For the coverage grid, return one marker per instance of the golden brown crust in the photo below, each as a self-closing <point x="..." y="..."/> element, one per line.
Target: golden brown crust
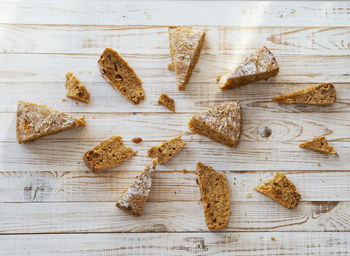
<point x="322" y="95"/>
<point x="107" y="154"/>
<point x="280" y="189"/>
<point x="166" y="150"/>
<point x="76" y="89"/>
<point x="121" y="76"/>
<point x="35" y="121"/>
<point x="215" y="193"/>
<point x="166" y="101"/>
<point x="318" y="144"/>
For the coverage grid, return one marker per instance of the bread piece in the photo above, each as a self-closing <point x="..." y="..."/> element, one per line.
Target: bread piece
<point x="322" y="95"/>
<point x="121" y="76"/>
<point x="215" y="193"/>
<point x="280" y="189"/>
<point x="185" y="48"/>
<point x="221" y="123"/>
<point x="35" y="121"/>
<point x="318" y="144"/>
<point x="166" y="101"/>
<point x="259" y="65"/>
<point x="134" y="199"/>
<point x="107" y="154"/>
<point x="167" y="150"/>
<point x="76" y="89"/>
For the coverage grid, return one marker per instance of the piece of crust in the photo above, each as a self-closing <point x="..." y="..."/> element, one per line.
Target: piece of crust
<point x="121" y="76"/>
<point x="280" y="189"/>
<point x="318" y="144"/>
<point x="134" y="199"/>
<point x="215" y="194"/>
<point x="167" y="102"/>
<point x="166" y="150"/>
<point x="108" y="154"/>
<point x="35" y="121"/>
<point x="76" y="89"/>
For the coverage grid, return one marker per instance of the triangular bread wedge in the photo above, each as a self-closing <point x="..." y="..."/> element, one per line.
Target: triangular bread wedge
<point x="221" y="123"/>
<point x="108" y="154"/>
<point x="121" y="76"/>
<point x="166" y="150"/>
<point x="185" y="47"/>
<point x="35" y="121"/>
<point x="215" y="194"/>
<point x="318" y="144"/>
<point x="259" y="65"/>
<point x="280" y="189"/>
<point x="76" y="89"/>
<point x="322" y="95"/>
<point x="134" y="199"/>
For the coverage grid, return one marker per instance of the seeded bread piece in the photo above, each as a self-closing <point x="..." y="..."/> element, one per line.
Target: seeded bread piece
<point x="107" y="154"/>
<point x="166" y="101"/>
<point x="134" y="199"/>
<point x="167" y="150"/>
<point x="76" y="89"/>
<point x="280" y="189"/>
<point x="259" y="65"/>
<point x="121" y="76"/>
<point x="318" y="144"/>
<point x="322" y="95"/>
<point x="185" y="47"/>
<point x="35" y="121"/>
<point x="215" y="193"/>
<point x="221" y="123"/>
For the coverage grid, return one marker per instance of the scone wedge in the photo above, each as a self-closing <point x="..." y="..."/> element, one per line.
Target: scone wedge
<point x="167" y="150"/>
<point x="318" y="144"/>
<point x="76" y="89"/>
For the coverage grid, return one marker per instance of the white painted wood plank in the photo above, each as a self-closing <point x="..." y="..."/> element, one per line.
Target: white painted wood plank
<point x="243" y="13"/>
<point x="88" y="186"/>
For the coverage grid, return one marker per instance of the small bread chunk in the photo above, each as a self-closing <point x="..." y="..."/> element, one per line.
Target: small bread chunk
<point x="185" y="48"/>
<point x="134" y="199"/>
<point x="121" y="76"/>
<point x="221" y="123"/>
<point x="76" y="89"/>
<point x="166" y="101"/>
<point x="107" y="154"/>
<point x="167" y="150"/>
<point x="322" y="95"/>
<point x="259" y="65"/>
<point x="35" y="121"/>
<point x="280" y="189"/>
<point x="215" y="193"/>
<point x="318" y="144"/>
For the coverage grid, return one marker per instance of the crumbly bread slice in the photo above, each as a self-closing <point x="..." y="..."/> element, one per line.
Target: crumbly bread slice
<point x="318" y="144"/>
<point x="166" y="150"/>
<point x="259" y="65"/>
<point x="35" y="121"/>
<point x="185" y="48"/>
<point x="107" y="154"/>
<point x="134" y="199"/>
<point x="215" y="193"/>
<point x="221" y="123"/>
<point x="76" y="89"/>
<point x="121" y="76"/>
<point x="166" y="101"/>
<point x="280" y="189"/>
<point x="322" y="95"/>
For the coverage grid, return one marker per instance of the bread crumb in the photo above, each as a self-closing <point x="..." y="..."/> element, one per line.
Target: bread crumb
<point x="76" y="103"/>
<point x="273" y="238"/>
<point x="170" y="66"/>
<point x="64" y="100"/>
<point x="318" y="164"/>
<point x="218" y="78"/>
<point x="265" y="106"/>
<point x="266" y="158"/>
<point x="137" y="140"/>
<point x="249" y="195"/>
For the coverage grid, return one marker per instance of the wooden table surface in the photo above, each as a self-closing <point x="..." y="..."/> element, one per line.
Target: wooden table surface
<point x="51" y="204"/>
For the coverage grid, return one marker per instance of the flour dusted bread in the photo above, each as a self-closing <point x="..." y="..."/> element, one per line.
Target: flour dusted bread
<point x="134" y="199"/>
<point x="322" y="95"/>
<point x="280" y="189"/>
<point x="76" y="89"/>
<point x="108" y="154"/>
<point x="166" y="101"/>
<point x="185" y="47"/>
<point x="35" y="121"/>
<point x="259" y="65"/>
<point x="318" y="144"/>
<point x="215" y="193"/>
<point x="221" y="123"/>
<point x="166" y="150"/>
<point x="121" y="76"/>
